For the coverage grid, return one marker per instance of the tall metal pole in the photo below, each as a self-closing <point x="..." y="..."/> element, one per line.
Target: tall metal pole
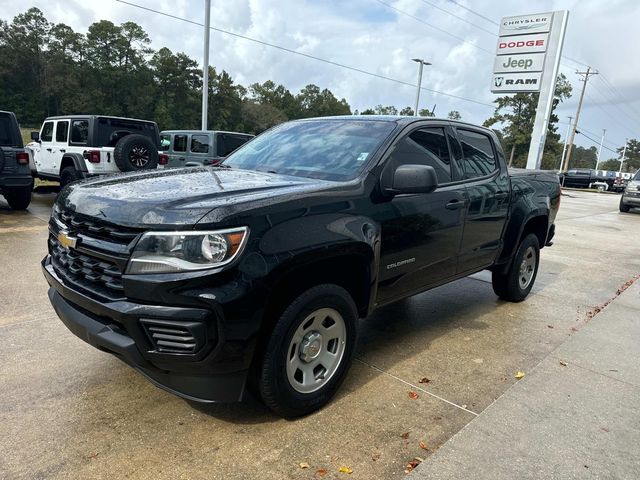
<point x="421" y="63"/>
<point x="566" y="139"/>
<point x="624" y="152"/>
<point x="575" y="124"/>
<point x="205" y="64"/>
<point x="604" y="130"/>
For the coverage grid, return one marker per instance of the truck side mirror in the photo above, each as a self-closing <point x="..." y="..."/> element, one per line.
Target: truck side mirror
<point x="413" y="179"/>
<point x="35" y="136"/>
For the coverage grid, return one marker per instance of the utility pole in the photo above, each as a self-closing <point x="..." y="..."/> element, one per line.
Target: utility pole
<point x="564" y="149"/>
<point x="205" y="64"/>
<point x="624" y="152"/>
<point x="604" y="130"/>
<point x="422" y="63"/>
<point x="575" y="124"/>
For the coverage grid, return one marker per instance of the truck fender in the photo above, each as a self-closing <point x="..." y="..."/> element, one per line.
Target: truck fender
<point x="513" y="237"/>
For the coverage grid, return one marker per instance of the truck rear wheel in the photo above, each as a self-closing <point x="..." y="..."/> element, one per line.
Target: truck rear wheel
<point x="309" y="351"/>
<point x="516" y="283"/>
<point x="18" y="198"/>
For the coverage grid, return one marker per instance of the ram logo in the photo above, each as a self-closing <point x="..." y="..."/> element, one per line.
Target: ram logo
<point x="498" y="81"/>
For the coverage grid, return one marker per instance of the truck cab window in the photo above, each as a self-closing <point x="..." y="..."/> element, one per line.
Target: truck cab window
<point x="425" y="146"/>
<point x="477" y="154"/>
<point x="180" y="143"/>
<point x="79" y="131"/>
<point x="199" y="144"/>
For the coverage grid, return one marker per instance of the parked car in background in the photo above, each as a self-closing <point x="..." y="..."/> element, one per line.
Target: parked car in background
<point x="579" y="178"/>
<point x="193" y="148"/>
<point x="70" y="148"/>
<point x="254" y="274"/>
<point x="631" y="194"/>
<point x="16" y="181"/>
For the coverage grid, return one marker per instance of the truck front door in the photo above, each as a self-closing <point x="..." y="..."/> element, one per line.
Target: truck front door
<point x="421" y="233"/>
<point x="43" y="154"/>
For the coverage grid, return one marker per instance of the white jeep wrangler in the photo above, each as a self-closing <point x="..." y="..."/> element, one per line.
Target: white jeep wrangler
<point x="73" y="147"/>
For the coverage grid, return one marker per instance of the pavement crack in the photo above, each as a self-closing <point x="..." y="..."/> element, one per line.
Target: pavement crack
<point x="415" y="387"/>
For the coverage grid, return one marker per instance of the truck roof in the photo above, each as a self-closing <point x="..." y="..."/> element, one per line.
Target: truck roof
<point x="399" y="119"/>
<point x="207" y="131"/>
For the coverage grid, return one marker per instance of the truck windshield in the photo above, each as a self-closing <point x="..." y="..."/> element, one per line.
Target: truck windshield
<point x="334" y="150"/>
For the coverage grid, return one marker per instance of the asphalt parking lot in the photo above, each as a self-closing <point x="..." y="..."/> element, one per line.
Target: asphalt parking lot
<point x="70" y="411"/>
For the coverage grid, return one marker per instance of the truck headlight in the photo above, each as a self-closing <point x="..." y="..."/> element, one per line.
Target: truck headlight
<point x="171" y="252"/>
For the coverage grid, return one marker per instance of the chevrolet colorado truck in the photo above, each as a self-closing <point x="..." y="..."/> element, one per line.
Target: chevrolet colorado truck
<point x="253" y="274"/>
<point x="16" y="182"/>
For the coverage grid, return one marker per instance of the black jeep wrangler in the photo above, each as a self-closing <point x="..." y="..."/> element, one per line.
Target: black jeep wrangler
<point x="16" y="182"/>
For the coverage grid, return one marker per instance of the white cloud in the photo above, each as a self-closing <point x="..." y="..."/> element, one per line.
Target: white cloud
<point x="372" y="37"/>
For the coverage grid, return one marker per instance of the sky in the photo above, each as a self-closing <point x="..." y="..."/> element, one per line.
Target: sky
<point x="381" y="37"/>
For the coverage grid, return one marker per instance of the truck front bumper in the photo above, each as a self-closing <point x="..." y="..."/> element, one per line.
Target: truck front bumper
<point x="119" y="328"/>
<point x="631" y="198"/>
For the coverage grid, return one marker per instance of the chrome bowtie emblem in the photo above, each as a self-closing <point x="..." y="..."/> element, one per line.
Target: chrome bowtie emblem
<point x="66" y="240"/>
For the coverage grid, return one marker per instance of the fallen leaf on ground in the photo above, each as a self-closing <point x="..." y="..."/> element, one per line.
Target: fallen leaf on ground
<point x="423" y="446"/>
<point x="564" y="364"/>
<point x="413" y="395"/>
<point x="344" y="469"/>
<point x="93" y="455"/>
<point x="376" y="456"/>
<point x="412" y="464"/>
<point x="424" y="380"/>
<point x="304" y="465"/>
<point x="519" y="375"/>
<point x="604" y="429"/>
<point x="549" y="326"/>
<point x="405" y="435"/>
<point x="321" y="472"/>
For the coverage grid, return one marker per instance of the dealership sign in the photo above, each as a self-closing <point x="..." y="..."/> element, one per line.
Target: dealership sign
<point x="528" y="62"/>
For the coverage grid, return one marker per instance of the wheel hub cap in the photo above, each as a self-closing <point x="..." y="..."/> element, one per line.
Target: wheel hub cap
<point x="310" y="346"/>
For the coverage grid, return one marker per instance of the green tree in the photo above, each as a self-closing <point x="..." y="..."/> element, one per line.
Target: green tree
<point x="454" y="115"/>
<point x="631" y="157"/>
<point x="611" y="164"/>
<point x="407" y="111"/>
<point x="320" y="103"/>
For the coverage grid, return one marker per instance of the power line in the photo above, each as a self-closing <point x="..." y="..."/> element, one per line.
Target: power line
<point x="434" y="27"/>
<point x="475" y="13"/>
<point x="306" y="55"/>
<point x="597" y="142"/>
<point x="462" y="19"/>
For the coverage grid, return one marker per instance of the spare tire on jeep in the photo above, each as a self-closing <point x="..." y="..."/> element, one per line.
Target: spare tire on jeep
<point x="135" y="152"/>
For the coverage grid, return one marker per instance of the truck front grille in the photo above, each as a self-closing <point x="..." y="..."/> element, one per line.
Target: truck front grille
<point x="96" y="264"/>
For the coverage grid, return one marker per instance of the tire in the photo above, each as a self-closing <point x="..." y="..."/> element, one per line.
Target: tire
<point x="282" y="384"/>
<point x="68" y="175"/>
<point x="515" y="284"/>
<point x="624" y="208"/>
<point x="18" y="198"/>
<point x="135" y="152"/>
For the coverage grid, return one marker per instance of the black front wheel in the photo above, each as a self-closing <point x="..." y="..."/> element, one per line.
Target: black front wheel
<point x="309" y="351"/>
<point x="68" y="175"/>
<point x="515" y="284"/>
<point x="624" y="208"/>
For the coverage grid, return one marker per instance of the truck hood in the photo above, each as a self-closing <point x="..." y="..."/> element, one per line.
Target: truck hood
<point x="178" y="197"/>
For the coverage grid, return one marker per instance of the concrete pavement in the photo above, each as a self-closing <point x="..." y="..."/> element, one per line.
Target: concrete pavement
<point x="69" y="411"/>
<point x="576" y="415"/>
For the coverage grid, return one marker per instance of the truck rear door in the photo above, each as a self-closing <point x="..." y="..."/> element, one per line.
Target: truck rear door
<point x="489" y="191"/>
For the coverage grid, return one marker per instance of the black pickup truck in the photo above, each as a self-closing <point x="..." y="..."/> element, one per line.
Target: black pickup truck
<point x="16" y="182"/>
<point x="254" y="273"/>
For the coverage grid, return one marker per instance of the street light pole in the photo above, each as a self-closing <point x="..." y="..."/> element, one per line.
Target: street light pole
<point x="624" y="152"/>
<point x="205" y="64"/>
<point x="421" y="63"/>
<point x="564" y="149"/>
<point x="604" y="130"/>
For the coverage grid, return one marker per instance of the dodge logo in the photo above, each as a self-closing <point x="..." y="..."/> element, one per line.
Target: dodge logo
<point x="66" y="240"/>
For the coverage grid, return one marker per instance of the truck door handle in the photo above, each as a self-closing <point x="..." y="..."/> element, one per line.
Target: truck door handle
<point x="48" y="149"/>
<point x="62" y="150"/>
<point x="456" y="204"/>
<point x="501" y="195"/>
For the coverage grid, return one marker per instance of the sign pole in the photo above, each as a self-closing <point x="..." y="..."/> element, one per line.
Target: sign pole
<point x="547" y="89"/>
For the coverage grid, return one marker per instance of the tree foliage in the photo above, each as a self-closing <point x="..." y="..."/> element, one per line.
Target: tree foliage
<point x="631" y="156"/>
<point x="48" y="69"/>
